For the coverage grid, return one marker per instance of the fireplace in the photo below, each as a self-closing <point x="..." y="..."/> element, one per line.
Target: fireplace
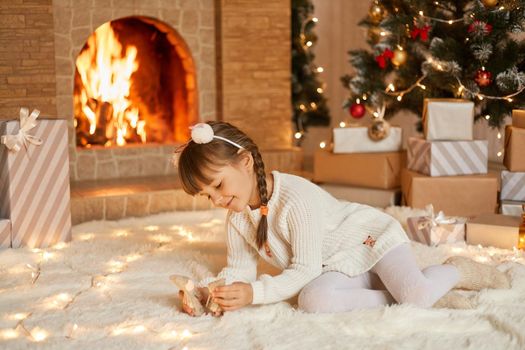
<point x="134" y="84"/>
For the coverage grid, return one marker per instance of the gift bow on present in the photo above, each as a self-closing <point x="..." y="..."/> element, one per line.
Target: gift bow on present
<point x="434" y="220"/>
<point x="27" y="122"/>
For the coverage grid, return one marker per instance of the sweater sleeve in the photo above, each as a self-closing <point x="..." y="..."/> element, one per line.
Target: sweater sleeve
<point x="241" y="260"/>
<point x="306" y="263"/>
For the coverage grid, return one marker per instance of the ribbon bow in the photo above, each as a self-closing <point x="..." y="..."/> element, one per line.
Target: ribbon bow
<point x="421" y="32"/>
<point x="382" y="58"/>
<point x="27" y="122"/>
<point x="434" y="220"/>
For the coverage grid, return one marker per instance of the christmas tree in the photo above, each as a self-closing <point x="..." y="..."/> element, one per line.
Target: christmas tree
<point x="308" y="102"/>
<point x="440" y="49"/>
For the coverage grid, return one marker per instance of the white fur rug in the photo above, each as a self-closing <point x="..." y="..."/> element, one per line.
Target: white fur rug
<point x="109" y="289"/>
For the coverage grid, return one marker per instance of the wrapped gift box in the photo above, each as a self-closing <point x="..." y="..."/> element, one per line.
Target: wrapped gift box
<point x="501" y="231"/>
<point x="518" y="118"/>
<point x="35" y="195"/>
<point x="466" y="196"/>
<point x="5" y="233"/>
<point x="514" y="158"/>
<point x="448" y="119"/>
<point x="375" y="170"/>
<point x="513" y="208"/>
<point x="512" y="185"/>
<point x="370" y="196"/>
<point x="446" y="158"/>
<point x="356" y="140"/>
<point x="437" y="229"/>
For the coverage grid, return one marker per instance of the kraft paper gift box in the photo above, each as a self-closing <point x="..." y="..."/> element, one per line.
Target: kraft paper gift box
<point x="356" y="140"/>
<point x="34" y="191"/>
<point x="512" y="186"/>
<point x="466" y="196"/>
<point x="375" y="170"/>
<point x="5" y="233"/>
<point x="514" y="157"/>
<point x="501" y="231"/>
<point x="371" y="196"/>
<point x="437" y="229"/>
<point x="518" y="118"/>
<point x="448" y="119"/>
<point x="512" y="208"/>
<point x="446" y="158"/>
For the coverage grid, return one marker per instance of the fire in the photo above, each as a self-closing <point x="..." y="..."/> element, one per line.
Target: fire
<point x="105" y="71"/>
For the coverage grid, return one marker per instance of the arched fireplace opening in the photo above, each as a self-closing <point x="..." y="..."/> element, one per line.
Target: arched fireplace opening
<point x="134" y="84"/>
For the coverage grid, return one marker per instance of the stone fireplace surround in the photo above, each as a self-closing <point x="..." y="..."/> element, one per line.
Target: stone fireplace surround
<point x="238" y="80"/>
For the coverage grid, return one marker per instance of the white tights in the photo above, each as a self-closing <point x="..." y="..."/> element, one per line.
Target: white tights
<point x="394" y="278"/>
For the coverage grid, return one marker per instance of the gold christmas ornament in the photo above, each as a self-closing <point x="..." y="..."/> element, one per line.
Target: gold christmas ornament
<point x="374" y="35"/>
<point x="376" y="13"/>
<point x="400" y="57"/>
<point x="379" y="129"/>
<point x="489" y="3"/>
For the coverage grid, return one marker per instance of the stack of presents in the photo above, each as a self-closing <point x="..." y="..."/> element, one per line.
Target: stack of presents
<point x="359" y="169"/>
<point x="445" y="171"/>
<point x="34" y="182"/>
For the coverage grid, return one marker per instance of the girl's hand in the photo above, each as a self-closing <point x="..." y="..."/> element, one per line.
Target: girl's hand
<point x="233" y="296"/>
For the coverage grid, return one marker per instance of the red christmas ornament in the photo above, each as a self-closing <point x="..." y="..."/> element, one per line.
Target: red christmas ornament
<point x="383" y="58"/>
<point x="357" y="110"/>
<point x="483" y="78"/>
<point x="422" y="32"/>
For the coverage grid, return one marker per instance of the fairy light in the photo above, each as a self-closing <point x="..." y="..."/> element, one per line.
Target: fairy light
<point x="315" y="19"/>
<point x="399" y="98"/>
<point x="500" y="154"/>
<point x="39" y="334"/>
<point x="309" y="43"/>
<point x="364" y="97"/>
<point x="481" y="97"/>
<point x="322" y="144"/>
<point x="320" y="69"/>
<point x="319" y="90"/>
<point x="487" y="117"/>
<point x="298" y="135"/>
<point x="8" y="334"/>
<point x="499" y="135"/>
<point x="342" y="124"/>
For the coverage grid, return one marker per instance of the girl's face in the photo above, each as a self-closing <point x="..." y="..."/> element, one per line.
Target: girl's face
<point x="233" y="186"/>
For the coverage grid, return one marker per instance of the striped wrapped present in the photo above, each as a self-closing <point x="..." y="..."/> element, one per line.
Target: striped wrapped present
<point x="437" y="229"/>
<point x="512" y="186"/>
<point x="446" y="158"/>
<point x="512" y="208"/>
<point x="5" y="233"/>
<point x="34" y="186"/>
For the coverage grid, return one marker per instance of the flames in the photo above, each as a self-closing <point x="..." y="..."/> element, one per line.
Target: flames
<point x="108" y="116"/>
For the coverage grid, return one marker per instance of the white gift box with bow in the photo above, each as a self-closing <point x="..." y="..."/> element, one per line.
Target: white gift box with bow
<point x="436" y="229"/>
<point x="34" y="186"/>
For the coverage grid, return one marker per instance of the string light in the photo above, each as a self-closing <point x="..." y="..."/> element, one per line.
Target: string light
<point x="320" y="69"/>
<point x="342" y="124"/>
<point x="322" y="144"/>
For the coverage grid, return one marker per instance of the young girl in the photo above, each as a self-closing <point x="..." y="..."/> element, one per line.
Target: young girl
<point x="338" y="256"/>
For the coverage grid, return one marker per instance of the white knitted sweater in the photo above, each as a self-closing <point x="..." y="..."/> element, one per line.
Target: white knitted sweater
<point x="309" y="232"/>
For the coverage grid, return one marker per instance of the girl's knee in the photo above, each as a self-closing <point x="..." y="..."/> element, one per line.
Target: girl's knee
<point x="312" y="299"/>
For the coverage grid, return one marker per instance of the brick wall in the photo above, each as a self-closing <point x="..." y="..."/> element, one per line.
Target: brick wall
<point x="27" y="57"/>
<point x="255" y="63"/>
